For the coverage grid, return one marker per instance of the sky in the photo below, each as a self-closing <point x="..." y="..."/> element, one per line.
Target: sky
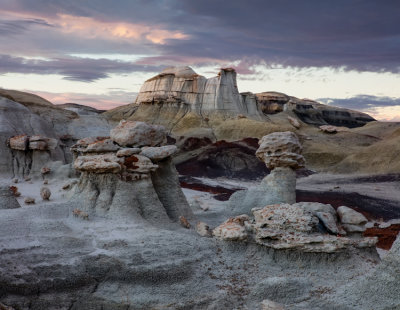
<point x="99" y="52"/>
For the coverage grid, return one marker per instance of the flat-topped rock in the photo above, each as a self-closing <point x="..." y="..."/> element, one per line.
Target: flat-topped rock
<point x="137" y="134"/>
<point x="159" y="153"/>
<point x="232" y="229"/>
<point x="107" y="163"/>
<point x="139" y="164"/>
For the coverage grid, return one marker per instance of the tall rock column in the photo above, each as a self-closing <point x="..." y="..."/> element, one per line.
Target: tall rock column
<point x="281" y="153"/>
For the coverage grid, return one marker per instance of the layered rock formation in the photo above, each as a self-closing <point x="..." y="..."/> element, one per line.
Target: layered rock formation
<point x="129" y="175"/>
<point x="311" y="112"/>
<point x="181" y="85"/>
<point x="281" y="153"/>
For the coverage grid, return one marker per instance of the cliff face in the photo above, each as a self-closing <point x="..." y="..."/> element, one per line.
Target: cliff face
<point x="183" y="85"/>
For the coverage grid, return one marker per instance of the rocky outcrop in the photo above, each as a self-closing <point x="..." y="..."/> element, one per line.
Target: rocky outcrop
<point x="300" y="226"/>
<point x="183" y="86"/>
<point x="281" y="152"/>
<point x="118" y="182"/>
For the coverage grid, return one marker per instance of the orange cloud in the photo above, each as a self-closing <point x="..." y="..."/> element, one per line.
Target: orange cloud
<point x="92" y="28"/>
<point x="88" y="27"/>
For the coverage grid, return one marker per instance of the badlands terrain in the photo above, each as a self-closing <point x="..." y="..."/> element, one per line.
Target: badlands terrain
<point x="196" y="196"/>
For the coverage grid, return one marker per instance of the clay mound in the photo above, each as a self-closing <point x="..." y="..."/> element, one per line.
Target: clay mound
<point x="24" y="98"/>
<point x="381" y="157"/>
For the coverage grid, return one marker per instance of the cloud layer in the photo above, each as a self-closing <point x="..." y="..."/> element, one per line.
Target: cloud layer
<point x="357" y="35"/>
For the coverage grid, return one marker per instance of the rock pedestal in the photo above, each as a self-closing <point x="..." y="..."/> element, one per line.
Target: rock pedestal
<point x="281" y="152"/>
<point x="118" y="182"/>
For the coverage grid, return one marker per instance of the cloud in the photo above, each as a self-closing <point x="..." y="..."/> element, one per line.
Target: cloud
<point x="72" y="68"/>
<point x="106" y="101"/>
<point x="349" y="34"/>
<point x="362" y="102"/>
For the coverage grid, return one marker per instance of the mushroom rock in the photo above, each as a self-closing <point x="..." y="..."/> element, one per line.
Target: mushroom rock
<point x="7" y="198"/>
<point x="101" y="146"/>
<point x="130" y="186"/>
<point x="281" y="152"/>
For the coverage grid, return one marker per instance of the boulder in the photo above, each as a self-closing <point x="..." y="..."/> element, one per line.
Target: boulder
<point x="137" y="134"/>
<point x="232" y="229"/>
<point x="281" y="149"/>
<point x="7" y="198"/>
<point x="159" y="153"/>
<point x="45" y="193"/>
<point x="352" y="228"/>
<point x="350" y="216"/>
<point x="285" y="217"/>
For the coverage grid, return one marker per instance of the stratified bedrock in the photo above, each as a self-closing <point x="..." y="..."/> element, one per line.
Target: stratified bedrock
<point x="129" y="176"/>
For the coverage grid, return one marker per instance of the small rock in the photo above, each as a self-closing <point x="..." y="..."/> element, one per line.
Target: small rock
<point x="27" y="179"/>
<point x="45" y="182"/>
<point x="294" y="122"/>
<point x="45" y="193"/>
<point x="350" y="216"/>
<point x="203" y="229"/>
<point x="81" y="214"/>
<point x="271" y="305"/>
<point x="66" y="186"/>
<point x="15" y="180"/>
<point x="45" y="170"/>
<point x="184" y="222"/>
<point x="232" y="229"/>
<point x="329" y="221"/>
<point x="29" y="200"/>
<point x="15" y="191"/>
<point x="328" y="129"/>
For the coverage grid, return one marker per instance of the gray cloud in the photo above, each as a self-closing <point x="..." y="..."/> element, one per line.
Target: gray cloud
<point x="351" y="34"/>
<point x="72" y="68"/>
<point x="362" y="102"/>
